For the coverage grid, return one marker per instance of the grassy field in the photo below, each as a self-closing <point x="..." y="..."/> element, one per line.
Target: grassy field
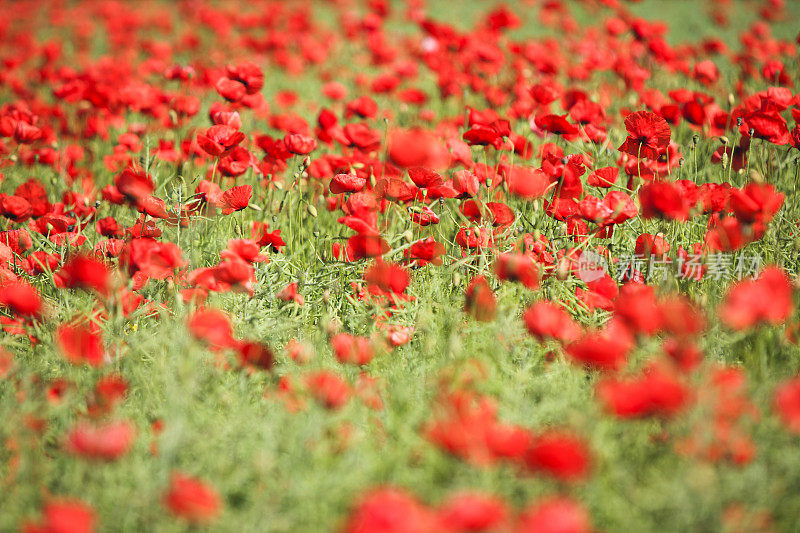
<point x="695" y="427"/>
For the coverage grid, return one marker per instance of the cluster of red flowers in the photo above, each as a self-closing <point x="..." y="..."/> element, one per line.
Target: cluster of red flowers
<point x="393" y="510"/>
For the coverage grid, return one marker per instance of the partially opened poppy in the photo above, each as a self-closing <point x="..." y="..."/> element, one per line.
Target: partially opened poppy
<point x="343" y="183"/>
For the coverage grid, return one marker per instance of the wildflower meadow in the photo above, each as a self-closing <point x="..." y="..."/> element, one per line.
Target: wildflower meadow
<point x="399" y="266"/>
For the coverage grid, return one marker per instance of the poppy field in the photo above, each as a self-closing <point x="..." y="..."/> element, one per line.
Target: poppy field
<point x="372" y="266"/>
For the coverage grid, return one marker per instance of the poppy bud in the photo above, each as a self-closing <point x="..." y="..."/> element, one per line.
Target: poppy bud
<point x="408" y="236"/>
<point x="331" y="327"/>
<point x="563" y="269"/>
<point x="311" y="210"/>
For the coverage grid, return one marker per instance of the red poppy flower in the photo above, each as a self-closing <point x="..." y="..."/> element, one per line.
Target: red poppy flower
<point x="480" y="302"/>
<point x="64" y="516"/>
<point x="344" y="183"/>
<point x="248" y="74"/>
<point x="289" y="294"/>
<point x="603" y="177"/>
<point x="526" y="182"/>
<point x="192" y="499"/>
<point x="236" y="198"/>
<point x="328" y="388"/>
<point x="230" y="90"/>
<point x="352" y="349"/>
<point x="299" y="144"/>
<point x="561" y="455"/>
<point x="212" y="326"/>
<point x="606" y="350"/>
<point x="262" y="237"/>
<point x="255" y="355"/>
<point x="134" y="184"/>
<point x="767" y="299"/>
<point x="81" y="343"/>
<point x="548" y="320"/>
<point x="472" y="511"/>
<point x="656" y="392"/>
<point x="362" y="246"/>
<point x="423" y="177"/>
<point x="755" y="202"/>
<point x="107" y="442"/>
<point x="157" y="260"/>
<point x="555" y="515"/>
<point x="395" y="190"/>
<point x="25" y="133"/>
<point x="219" y="140"/>
<point x="648" y="134"/>
<point x="85" y="272"/>
<point x="517" y="267"/>
<point x="21" y="299"/>
<point x="384" y="277"/>
<point x="389" y="510"/>
<point x="15" y="208"/>
<point x="665" y="200"/>
<point x="465" y="183"/>
<point x="425" y="251"/>
<point x="556" y="124"/>
<point x="362" y="137"/>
